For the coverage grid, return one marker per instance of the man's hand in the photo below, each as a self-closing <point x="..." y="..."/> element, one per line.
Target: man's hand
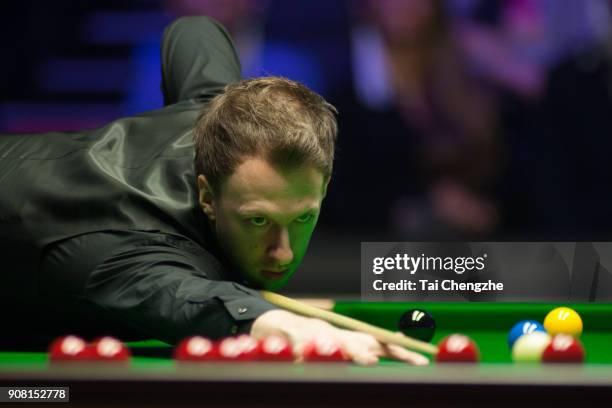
<point x="360" y="347"/>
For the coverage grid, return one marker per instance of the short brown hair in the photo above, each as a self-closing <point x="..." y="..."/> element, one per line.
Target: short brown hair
<point x="270" y="117"/>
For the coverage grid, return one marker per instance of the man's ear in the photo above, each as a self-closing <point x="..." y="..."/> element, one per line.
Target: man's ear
<point x="206" y="197"/>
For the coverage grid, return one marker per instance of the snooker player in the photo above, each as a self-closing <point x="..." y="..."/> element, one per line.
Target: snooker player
<point x="164" y="225"/>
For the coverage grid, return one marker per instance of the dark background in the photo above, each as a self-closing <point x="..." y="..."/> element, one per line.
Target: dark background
<point x="459" y="120"/>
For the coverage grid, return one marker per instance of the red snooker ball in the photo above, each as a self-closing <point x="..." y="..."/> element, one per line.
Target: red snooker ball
<point x="275" y="348"/>
<point x="196" y="348"/>
<point x="564" y="349"/>
<point x="68" y="348"/>
<point x="109" y="349"/>
<point x="241" y="348"/>
<point x="457" y="348"/>
<point x="323" y="349"/>
<point x="249" y="347"/>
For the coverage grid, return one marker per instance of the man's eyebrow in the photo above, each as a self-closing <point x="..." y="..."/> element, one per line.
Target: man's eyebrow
<point x="264" y="210"/>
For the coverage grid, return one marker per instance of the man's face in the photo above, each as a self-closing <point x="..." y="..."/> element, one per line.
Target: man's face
<point x="264" y="217"/>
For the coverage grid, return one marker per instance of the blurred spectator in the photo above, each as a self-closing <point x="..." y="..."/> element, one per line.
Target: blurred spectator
<point x="514" y="42"/>
<point x="555" y="55"/>
<point x="473" y="119"/>
<point x="420" y="149"/>
<point x="509" y="53"/>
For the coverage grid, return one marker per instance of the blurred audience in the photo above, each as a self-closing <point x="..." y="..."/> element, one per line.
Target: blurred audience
<point x="459" y="119"/>
<point x="551" y="58"/>
<point x="419" y="133"/>
<point x="470" y="120"/>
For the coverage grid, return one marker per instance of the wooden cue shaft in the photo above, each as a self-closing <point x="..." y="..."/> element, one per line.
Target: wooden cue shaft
<point x="382" y="335"/>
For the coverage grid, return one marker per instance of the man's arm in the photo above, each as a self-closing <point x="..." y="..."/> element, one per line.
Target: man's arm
<point x="168" y="288"/>
<point x="160" y="286"/>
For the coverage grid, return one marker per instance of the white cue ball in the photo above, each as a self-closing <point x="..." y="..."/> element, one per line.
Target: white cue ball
<point x="529" y="347"/>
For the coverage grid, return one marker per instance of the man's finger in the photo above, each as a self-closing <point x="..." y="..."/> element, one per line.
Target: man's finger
<point x="360" y="354"/>
<point x="408" y="356"/>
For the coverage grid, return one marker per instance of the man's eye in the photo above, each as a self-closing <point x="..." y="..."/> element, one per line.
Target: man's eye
<point x="259" y="221"/>
<point x="304" y="218"/>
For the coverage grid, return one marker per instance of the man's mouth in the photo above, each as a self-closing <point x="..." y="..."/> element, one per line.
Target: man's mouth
<point x="274" y="275"/>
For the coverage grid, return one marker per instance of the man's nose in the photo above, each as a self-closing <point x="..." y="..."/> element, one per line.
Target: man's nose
<point x="280" y="251"/>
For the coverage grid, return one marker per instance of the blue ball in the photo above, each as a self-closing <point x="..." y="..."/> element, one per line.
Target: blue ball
<point x="523" y="327"/>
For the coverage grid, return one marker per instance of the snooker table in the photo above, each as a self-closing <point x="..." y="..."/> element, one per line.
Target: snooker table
<point x="154" y="379"/>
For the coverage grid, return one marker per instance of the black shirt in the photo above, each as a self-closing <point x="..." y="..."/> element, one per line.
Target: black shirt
<point x="102" y="228"/>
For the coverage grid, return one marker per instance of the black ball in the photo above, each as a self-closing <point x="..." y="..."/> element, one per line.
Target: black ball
<point x="418" y="324"/>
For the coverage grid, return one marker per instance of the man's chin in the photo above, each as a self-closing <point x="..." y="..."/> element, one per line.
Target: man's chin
<point x="267" y="284"/>
<point x="275" y="284"/>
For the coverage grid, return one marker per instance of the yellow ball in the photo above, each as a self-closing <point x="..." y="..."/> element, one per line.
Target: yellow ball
<point x="563" y="320"/>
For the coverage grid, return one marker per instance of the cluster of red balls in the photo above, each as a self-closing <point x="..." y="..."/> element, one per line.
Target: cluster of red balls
<point x="74" y="348"/>
<point x="247" y="348"/>
<point x="453" y="348"/>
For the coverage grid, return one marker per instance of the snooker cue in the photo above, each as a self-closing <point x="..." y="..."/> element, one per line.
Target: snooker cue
<point x="382" y="335"/>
